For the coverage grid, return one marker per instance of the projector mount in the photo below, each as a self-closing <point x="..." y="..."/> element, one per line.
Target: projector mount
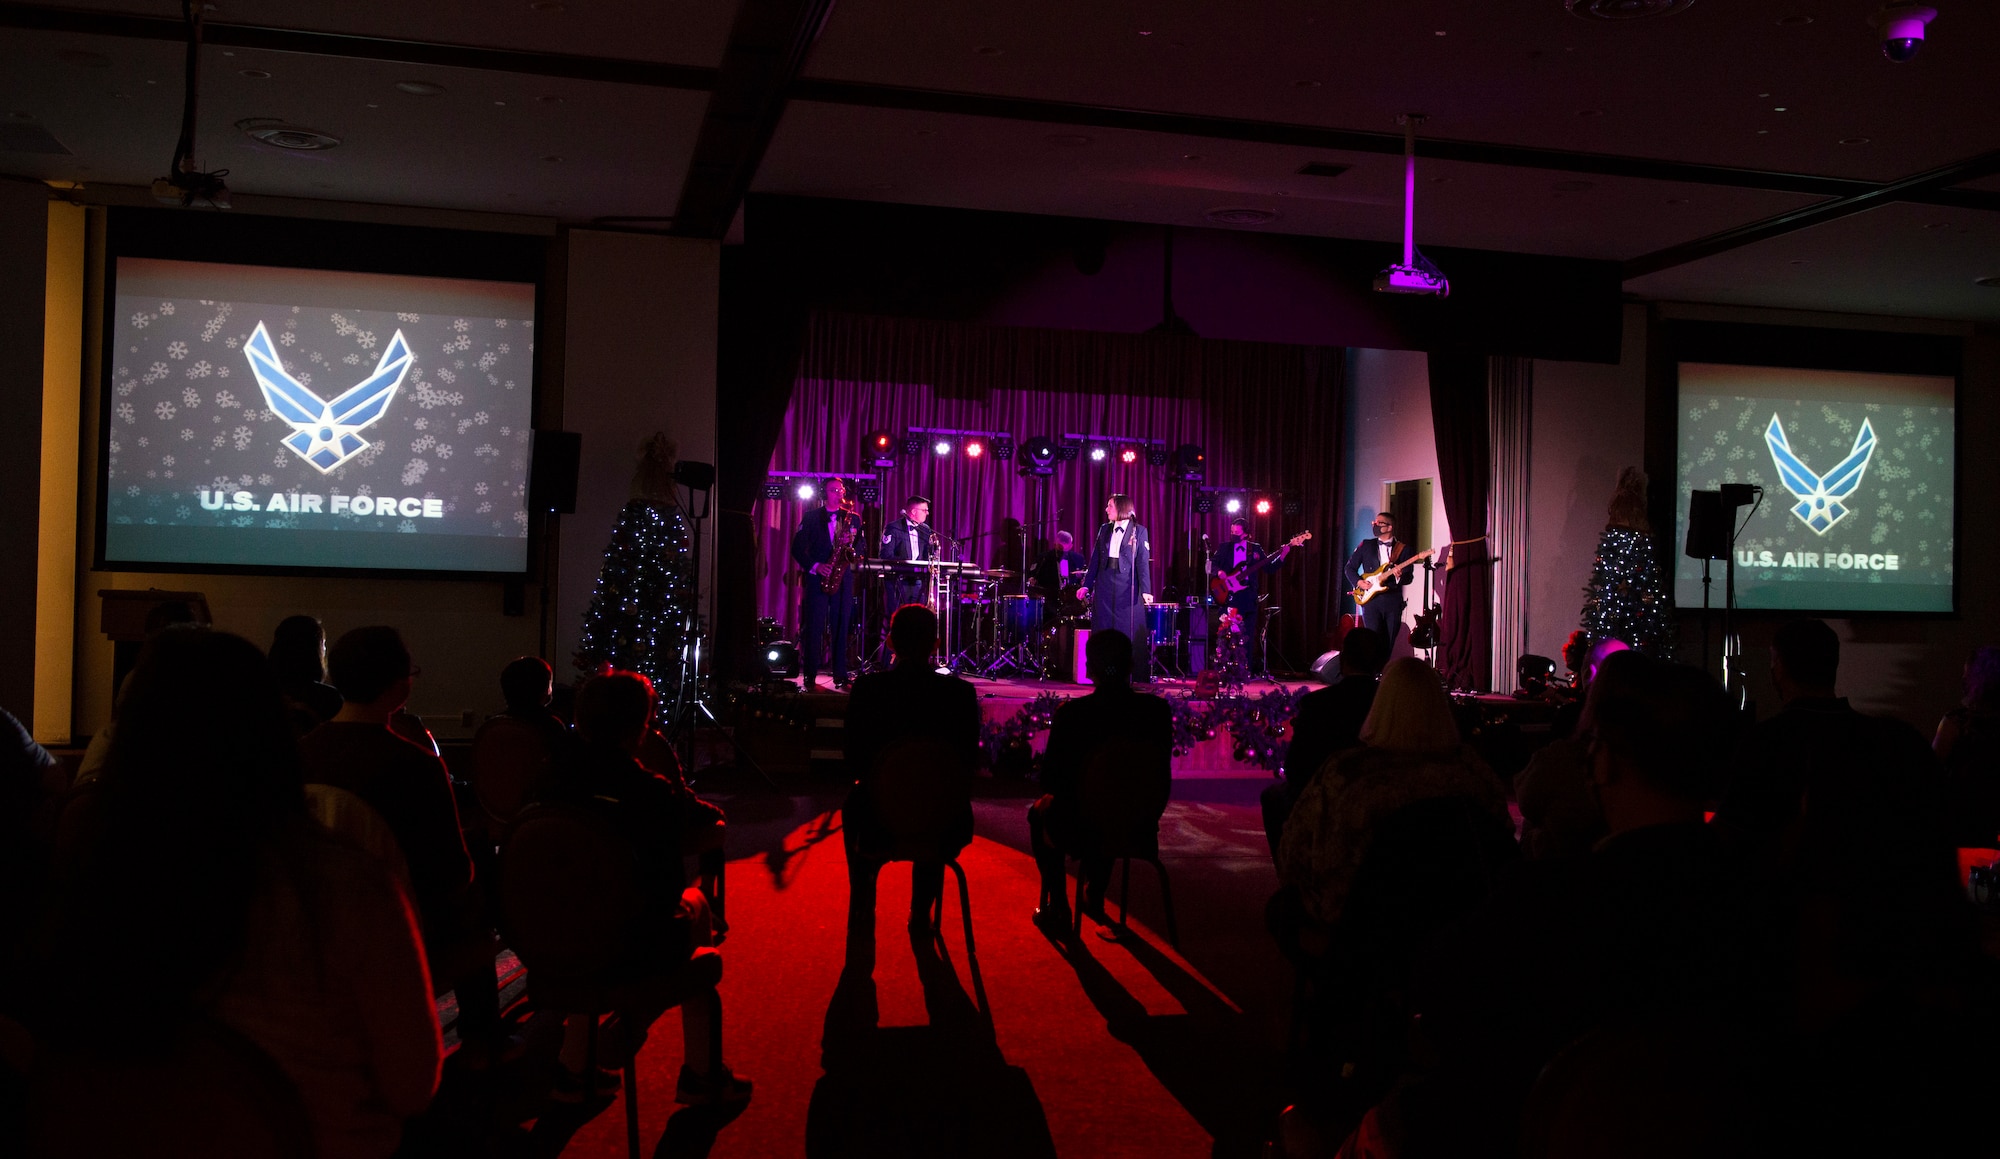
<point x="186" y="184"/>
<point x="1414" y="274"/>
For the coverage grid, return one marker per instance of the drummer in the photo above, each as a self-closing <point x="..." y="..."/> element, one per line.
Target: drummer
<point x="1060" y="567"/>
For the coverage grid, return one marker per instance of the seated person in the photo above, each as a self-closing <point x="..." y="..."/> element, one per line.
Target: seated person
<point x="1328" y="721"/>
<point x="1968" y="742"/>
<point x="1560" y="816"/>
<point x="908" y="702"/>
<point x="409" y="787"/>
<point x="298" y="656"/>
<point x="1113" y="713"/>
<point x="528" y="684"/>
<point x="613" y="712"/>
<point x="199" y="849"/>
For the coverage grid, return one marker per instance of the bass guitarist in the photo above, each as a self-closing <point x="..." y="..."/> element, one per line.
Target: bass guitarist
<point x="1384" y="612"/>
<point x="1238" y="572"/>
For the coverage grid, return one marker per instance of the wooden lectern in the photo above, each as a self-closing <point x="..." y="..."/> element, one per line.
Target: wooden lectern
<point x="129" y="617"/>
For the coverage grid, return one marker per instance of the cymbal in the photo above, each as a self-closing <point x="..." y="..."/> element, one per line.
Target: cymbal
<point x="1001" y="573"/>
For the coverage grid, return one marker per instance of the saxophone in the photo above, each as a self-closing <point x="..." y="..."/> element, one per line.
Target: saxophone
<point x="846" y="524"/>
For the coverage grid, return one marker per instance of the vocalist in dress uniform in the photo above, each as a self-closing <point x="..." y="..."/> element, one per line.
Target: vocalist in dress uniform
<point x="1120" y="577"/>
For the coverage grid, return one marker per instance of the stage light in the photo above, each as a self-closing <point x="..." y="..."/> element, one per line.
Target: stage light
<point x="1292" y="506"/>
<point x="806" y="493"/>
<point x="941" y="448"/>
<point x="880" y="450"/>
<point x="781" y="658"/>
<point x="1003" y="449"/>
<point x="1263" y="506"/>
<point x="774" y="490"/>
<point x="1099" y="453"/>
<point x="1129" y="455"/>
<point x="913" y="444"/>
<point x="1189" y="465"/>
<point x="1037" y="457"/>
<point x="1156" y="455"/>
<point x="871" y="493"/>
<point x="1232" y="505"/>
<point x="1204" y="503"/>
<point x="975" y="448"/>
<point x="1067" y="452"/>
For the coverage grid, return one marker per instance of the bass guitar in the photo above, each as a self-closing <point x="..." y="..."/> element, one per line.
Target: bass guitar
<point x="1370" y="585"/>
<point x="1228" y="583"/>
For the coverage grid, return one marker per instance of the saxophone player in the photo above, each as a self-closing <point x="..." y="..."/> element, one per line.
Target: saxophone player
<point x="821" y="547"/>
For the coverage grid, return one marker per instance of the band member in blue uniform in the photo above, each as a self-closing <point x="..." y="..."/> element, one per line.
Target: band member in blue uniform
<point x="1119" y="580"/>
<point x="1384" y="613"/>
<point x="820" y="609"/>
<point x="1245" y="561"/>
<point x="906" y="538"/>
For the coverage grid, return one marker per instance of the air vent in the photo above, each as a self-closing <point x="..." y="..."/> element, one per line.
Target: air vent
<point x="281" y="135"/>
<point x="1624" y="9"/>
<point x="1323" y="169"/>
<point x="19" y="138"/>
<point x="1241" y="215"/>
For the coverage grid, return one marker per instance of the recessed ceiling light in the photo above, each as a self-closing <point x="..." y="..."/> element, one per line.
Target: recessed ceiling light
<point x="499" y="104"/>
<point x="1069" y="140"/>
<point x="1143" y="32"/>
<point x="552" y="158"/>
<point x="373" y="105"/>
<point x="1241" y="215"/>
<point x="1761" y="132"/>
<point x="1573" y="186"/>
<point x="1190" y="156"/>
<point x="252" y="73"/>
<point x="1305" y="84"/>
<point x="1440" y="32"/>
<point x="1991" y="281"/>
<point x="987" y="49"/>
<point x="1763" y="95"/>
<point x="1854" y="140"/>
<point x="1779" y="109"/>
<point x="82" y="59"/>
<point x="1795" y="20"/>
<point x="547" y="99"/>
<point x="278" y="134"/>
<point x="1590" y="112"/>
<point x="419" y="88"/>
<point x="1623" y="9"/>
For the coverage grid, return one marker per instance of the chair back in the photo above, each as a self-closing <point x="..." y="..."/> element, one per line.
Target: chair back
<point x="208" y="1092"/>
<point x="920" y="788"/>
<point x="1120" y="797"/>
<point x="570" y="894"/>
<point x="509" y="757"/>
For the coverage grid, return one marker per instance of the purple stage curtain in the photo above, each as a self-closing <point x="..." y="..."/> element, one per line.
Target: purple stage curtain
<point x="1266" y="415"/>
<point x="1458" y="416"/>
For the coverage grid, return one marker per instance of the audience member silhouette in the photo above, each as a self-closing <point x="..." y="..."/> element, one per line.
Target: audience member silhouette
<point x="198" y="886"/>
<point x="1968" y="742"/>
<point x="1410" y="752"/>
<point x="1560" y="816"/>
<point x="1113" y="722"/>
<point x="30" y="789"/>
<point x="603" y="774"/>
<point x="528" y="685"/>
<point x="410" y="789"/>
<point x="1824" y="789"/>
<point x="1327" y="721"/>
<point x="298" y="657"/>
<point x="887" y="712"/>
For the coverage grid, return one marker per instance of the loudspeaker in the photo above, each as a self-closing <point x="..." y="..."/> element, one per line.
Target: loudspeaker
<point x="1708" y="526"/>
<point x="697" y="476"/>
<point x="552" y="478"/>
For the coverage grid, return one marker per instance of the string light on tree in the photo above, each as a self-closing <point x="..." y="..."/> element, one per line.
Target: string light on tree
<point x="642" y="607"/>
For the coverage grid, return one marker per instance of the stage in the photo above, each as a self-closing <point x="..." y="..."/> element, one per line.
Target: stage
<point x="786" y="730"/>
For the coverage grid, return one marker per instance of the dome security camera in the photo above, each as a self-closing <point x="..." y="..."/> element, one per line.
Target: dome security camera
<point x="1902" y="29"/>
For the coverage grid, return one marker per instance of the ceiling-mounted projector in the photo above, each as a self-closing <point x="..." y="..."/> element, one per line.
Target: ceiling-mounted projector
<point x="1414" y="274"/>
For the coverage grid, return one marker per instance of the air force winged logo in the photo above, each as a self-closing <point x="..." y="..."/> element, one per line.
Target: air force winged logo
<point x="327" y="434"/>
<point x="1821" y="497"/>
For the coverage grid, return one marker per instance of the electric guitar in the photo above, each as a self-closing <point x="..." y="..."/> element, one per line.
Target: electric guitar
<point x="1228" y="583"/>
<point x="1370" y="585"/>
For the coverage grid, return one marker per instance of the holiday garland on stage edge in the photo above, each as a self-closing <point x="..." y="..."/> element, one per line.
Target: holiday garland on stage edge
<point x="1256" y="722"/>
<point x="1626" y="598"/>
<point x="639" y="610"/>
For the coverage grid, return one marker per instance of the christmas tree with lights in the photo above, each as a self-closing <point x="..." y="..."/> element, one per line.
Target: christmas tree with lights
<point x="1626" y="598"/>
<point x="642" y="609"/>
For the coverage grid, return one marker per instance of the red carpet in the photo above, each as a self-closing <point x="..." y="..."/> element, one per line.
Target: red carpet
<point x="1126" y="1051"/>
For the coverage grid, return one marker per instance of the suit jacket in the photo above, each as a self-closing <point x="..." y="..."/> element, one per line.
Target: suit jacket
<point x="1255" y="564"/>
<point x="1367" y="557"/>
<point x="1328" y="721"/>
<point x="1048" y="573"/>
<point x="1135" y="561"/>
<point x="1087" y="723"/>
<point x="812" y="543"/>
<point x="896" y="540"/>
<point x="909" y="700"/>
